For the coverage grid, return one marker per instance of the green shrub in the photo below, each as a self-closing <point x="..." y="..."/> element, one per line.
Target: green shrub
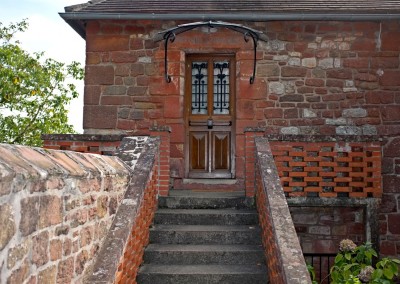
<point x="354" y="264"/>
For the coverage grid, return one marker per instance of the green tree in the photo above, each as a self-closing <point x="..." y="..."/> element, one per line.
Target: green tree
<point x="34" y="91"/>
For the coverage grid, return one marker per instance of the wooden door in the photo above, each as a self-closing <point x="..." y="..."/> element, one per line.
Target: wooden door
<point x="209" y="109"/>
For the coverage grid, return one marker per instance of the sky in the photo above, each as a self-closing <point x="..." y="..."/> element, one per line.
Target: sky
<point x="49" y="33"/>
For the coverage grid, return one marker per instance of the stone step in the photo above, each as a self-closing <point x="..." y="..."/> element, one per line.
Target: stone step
<point x="173" y="254"/>
<point x="177" y="274"/>
<point x="205" y="234"/>
<point x="204" y="201"/>
<point x="206" y="217"/>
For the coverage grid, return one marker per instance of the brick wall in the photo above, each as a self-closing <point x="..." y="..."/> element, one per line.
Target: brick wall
<point x="95" y="144"/>
<point x="329" y="78"/>
<point x="55" y="211"/>
<point x="122" y="252"/>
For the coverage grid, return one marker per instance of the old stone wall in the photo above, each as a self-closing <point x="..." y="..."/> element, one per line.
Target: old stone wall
<point x="55" y="210"/>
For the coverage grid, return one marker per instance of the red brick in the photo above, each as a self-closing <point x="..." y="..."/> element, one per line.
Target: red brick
<point x="158" y="86"/>
<point x="123" y="57"/>
<point x="364" y="44"/>
<point x="288" y="71"/>
<point x="356" y="62"/>
<point x="391" y="113"/>
<point x="390" y="78"/>
<point x="107" y="42"/>
<point x="245" y="109"/>
<point x="315" y="82"/>
<point x="100" y="116"/>
<point x="390" y="41"/>
<point x="388" y="248"/>
<point x="99" y="75"/>
<point x="273" y="113"/>
<point x="340" y="74"/>
<point x="173" y="107"/>
<point x="385" y="62"/>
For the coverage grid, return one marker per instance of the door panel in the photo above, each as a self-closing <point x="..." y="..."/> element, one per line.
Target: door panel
<point x="221" y="143"/>
<point x="209" y="116"/>
<point x="198" y="150"/>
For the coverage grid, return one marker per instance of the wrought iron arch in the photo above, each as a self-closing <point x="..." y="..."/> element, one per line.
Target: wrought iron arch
<point x="170" y="35"/>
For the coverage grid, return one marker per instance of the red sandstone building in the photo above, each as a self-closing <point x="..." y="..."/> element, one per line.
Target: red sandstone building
<point x="313" y="76"/>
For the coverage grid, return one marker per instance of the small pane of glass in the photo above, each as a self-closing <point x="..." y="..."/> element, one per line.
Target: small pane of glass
<point x="221" y="88"/>
<point x="199" y="88"/>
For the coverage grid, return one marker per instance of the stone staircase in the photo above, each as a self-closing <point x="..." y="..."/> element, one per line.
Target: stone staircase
<point x="204" y="237"/>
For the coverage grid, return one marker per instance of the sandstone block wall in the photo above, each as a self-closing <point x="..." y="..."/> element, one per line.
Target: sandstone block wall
<point x="55" y="210"/>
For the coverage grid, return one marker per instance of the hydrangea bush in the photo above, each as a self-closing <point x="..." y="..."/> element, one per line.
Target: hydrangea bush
<point x="355" y="264"/>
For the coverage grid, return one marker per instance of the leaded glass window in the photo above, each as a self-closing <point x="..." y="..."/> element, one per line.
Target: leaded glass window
<point x="221" y="88"/>
<point x="199" y="88"/>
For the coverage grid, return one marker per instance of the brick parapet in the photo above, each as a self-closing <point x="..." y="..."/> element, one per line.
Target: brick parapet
<point x="122" y="252"/>
<point x="55" y="211"/>
<point x="164" y="160"/>
<point x="284" y="255"/>
<point x="84" y="143"/>
<point x="250" y="160"/>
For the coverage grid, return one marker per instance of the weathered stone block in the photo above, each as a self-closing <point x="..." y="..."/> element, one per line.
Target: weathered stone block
<point x="19" y="275"/>
<point x="48" y="275"/>
<point x="8" y="227"/>
<point x="115" y="91"/>
<point x="29" y="215"/>
<point x="50" y="211"/>
<point x="354" y="112"/>
<point x="276" y="88"/>
<point x="348" y="130"/>
<point x="289" y="71"/>
<point x="292" y="98"/>
<point x="40" y="244"/>
<point x="290" y="130"/>
<point x="65" y="271"/>
<point x="18" y="253"/>
<point x="309" y="62"/>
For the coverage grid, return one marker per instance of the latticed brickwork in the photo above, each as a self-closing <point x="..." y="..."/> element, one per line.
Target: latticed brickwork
<point x="139" y="237"/>
<point x="329" y="169"/>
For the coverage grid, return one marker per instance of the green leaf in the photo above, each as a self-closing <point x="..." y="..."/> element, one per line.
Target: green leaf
<point x="388" y="273"/>
<point x="378" y="273"/>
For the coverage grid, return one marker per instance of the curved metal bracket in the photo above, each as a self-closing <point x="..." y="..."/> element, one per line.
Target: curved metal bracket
<point x="170" y="37"/>
<point x="170" y="34"/>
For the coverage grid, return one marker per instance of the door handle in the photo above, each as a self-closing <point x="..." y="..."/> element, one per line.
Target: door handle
<point x="210" y="123"/>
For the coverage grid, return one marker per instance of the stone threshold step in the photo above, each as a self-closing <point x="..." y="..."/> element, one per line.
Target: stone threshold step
<point x="203" y="248"/>
<point x="207" y="211"/>
<point x="201" y="269"/>
<point x="205" y="228"/>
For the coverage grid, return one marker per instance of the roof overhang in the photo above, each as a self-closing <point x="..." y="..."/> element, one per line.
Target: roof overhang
<point x="77" y="20"/>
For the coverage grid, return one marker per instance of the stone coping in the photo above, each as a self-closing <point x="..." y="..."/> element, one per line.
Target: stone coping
<point x="106" y="264"/>
<point x="289" y="253"/>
